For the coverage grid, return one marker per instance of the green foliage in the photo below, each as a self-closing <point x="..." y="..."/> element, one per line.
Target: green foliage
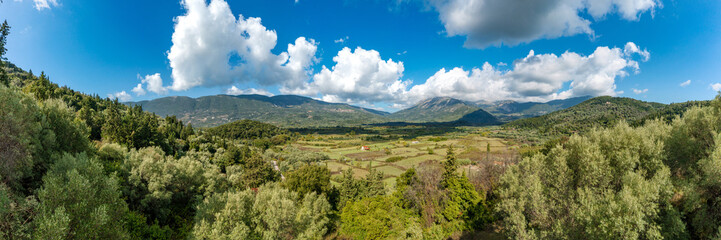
<point x="78" y="201"/>
<point x="440" y="196"/>
<point x="253" y="173"/>
<point x="691" y="139"/>
<point x="138" y="228"/>
<point x="35" y="135"/>
<point x="449" y="166"/>
<point x="234" y="155"/>
<point x="669" y="112"/>
<point x="41" y="88"/>
<point x="112" y="156"/>
<point x="71" y="133"/>
<point x="292" y="158"/>
<point x="596" y="112"/>
<point x="352" y="189"/>
<point x="394" y="159"/>
<point x="165" y="189"/>
<point x="245" y="129"/>
<point x="694" y="156"/>
<point x="4" y="32"/>
<point x="16" y="214"/>
<point x="607" y="184"/>
<point x="132" y="128"/>
<point x="378" y="218"/>
<point x="307" y="179"/>
<point x="271" y="212"/>
<point x="20" y="135"/>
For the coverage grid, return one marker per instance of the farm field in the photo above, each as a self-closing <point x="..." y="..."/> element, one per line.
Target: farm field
<point x="393" y="157"/>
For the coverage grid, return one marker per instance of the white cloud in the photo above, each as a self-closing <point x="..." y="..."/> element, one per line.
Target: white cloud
<point x="211" y="47"/>
<point x="341" y="40"/>
<point x="502" y="22"/>
<point x="362" y="76"/>
<point x="121" y="96"/>
<point x="154" y="83"/>
<point x="686" y="83"/>
<point x="359" y="76"/>
<point x="631" y="48"/>
<point x="45" y="4"/>
<point x="534" y="78"/>
<point x="138" y="90"/>
<point x="236" y="91"/>
<point x="716" y="87"/>
<point x="639" y="91"/>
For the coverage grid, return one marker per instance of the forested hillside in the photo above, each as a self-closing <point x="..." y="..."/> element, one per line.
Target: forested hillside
<point x="670" y="112"/>
<point x="596" y="112"/>
<point x="284" y="110"/>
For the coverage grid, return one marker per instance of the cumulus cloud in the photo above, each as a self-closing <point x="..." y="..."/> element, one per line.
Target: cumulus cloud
<point x="363" y="76"/>
<point x="138" y="90"/>
<point x="212" y="47"/>
<point x="686" y="83"/>
<point x="359" y="76"/>
<point x="537" y="77"/>
<point x="639" y="91"/>
<point x="154" y="84"/>
<point x="45" y="4"/>
<point x="716" y="87"/>
<point x="121" y="96"/>
<point x="236" y="91"/>
<point x="502" y="22"/>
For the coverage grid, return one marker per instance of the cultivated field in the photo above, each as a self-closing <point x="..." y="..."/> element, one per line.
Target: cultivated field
<point x="393" y="156"/>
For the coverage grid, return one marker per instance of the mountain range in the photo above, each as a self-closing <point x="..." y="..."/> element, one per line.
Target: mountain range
<point x="298" y="111"/>
<point x="511" y="110"/>
<point x="283" y="110"/>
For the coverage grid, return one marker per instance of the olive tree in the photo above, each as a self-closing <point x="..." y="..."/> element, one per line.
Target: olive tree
<point x="78" y="201"/>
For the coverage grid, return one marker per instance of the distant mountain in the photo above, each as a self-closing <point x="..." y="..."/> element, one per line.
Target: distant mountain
<point x="511" y="110"/>
<point x="478" y="118"/>
<point x="439" y="109"/>
<point x="598" y="111"/>
<point x="283" y="110"/>
<point x="299" y="111"/>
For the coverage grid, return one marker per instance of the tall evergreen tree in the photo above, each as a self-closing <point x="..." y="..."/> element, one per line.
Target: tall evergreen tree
<point x="4" y="32"/>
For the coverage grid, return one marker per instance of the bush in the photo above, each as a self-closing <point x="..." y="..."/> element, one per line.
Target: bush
<point x="378" y="218"/>
<point x="394" y="159"/>
<point x="77" y="201"/>
<point x="271" y="212"/>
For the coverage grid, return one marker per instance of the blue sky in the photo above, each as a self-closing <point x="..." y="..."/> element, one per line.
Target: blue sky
<point x="398" y="52"/>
